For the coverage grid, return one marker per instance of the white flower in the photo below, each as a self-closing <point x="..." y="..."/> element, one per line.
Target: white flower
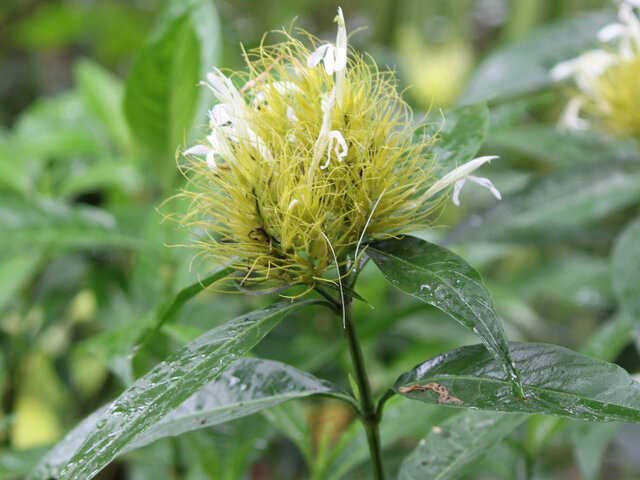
<point x="459" y="176"/>
<point x="587" y="68"/>
<point x="227" y="123"/>
<point x="334" y="58"/>
<point x="327" y="137"/>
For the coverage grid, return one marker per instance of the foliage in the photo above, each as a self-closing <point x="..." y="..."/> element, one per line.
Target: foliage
<point x="107" y="324"/>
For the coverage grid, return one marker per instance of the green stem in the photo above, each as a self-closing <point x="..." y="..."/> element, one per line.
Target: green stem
<point x="368" y="414"/>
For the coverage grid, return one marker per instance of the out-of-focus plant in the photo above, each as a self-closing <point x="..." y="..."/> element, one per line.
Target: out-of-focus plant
<point x="311" y="168"/>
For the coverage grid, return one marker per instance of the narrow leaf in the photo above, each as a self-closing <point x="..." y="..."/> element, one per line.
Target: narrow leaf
<point x="169" y="384"/>
<point x="442" y="279"/>
<point x="556" y="381"/>
<point x="457" y="445"/>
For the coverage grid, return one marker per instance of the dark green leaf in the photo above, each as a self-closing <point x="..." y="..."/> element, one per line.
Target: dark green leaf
<point x="440" y="278"/>
<point x="563" y="202"/>
<point x="161" y="93"/>
<point x="169" y="384"/>
<point x="457" y="445"/>
<point x="524" y="66"/>
<point x="625" y="261"/>
<point x="556" y="381"/>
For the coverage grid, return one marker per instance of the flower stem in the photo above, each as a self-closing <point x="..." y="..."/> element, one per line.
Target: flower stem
<point x="368" y="414"/>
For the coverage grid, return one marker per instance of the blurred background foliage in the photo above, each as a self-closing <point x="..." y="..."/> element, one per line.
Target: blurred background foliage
<point x="96" y="98"/>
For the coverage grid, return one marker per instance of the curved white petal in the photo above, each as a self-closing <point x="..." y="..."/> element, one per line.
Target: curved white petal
<point x="198" y="150"/>
<point x="486" y="183"/>
<point x="454" y="176"/>
<point x="317" y="55"/>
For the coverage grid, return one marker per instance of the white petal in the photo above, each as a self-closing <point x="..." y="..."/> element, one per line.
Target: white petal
<point x="610" y="32"/>
<point x="570" y="118"/>
<point x="198" y="150"/>
<point x="329" y="60"/>
<point x="341" y="146"/>
<point x="486" y="183"/>
<point x="456" y="175"/>
<point x="456" y="192"/>
<point x="317" y="55"/>
<point x="211" y="161"/>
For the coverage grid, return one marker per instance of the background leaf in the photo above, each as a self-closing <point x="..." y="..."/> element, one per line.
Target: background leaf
<point x="625" y="263"/>
<point x="557" y="205"/>
<point x="161" y="93"/>
<point x="556" y="381"/>
<point x="455" y="446"/>
<point x="524" y="66"/>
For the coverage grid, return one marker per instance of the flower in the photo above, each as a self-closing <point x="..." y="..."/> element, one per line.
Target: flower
<point x="607" y="80"/>
<point x="304" y="161"/>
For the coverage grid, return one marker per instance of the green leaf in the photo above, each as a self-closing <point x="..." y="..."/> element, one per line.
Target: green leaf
<point x="589" y="442"/>
<point x="461" y="133"/>
<point x="625" y="262"/>
<point x="168" y="385"/>
<point x="457" y="445"/>
<point x="524" y="66"/>
<point x="102" y="92"/>
<point x="442" y="279"/>
<point x="15" y="271"/>
<point x="547" y="144"/>
<point x="556" y="382"/>
<point x="401" y="419"/>
<point x="106" y="174"/>
<point x="161" y="93"/>
<point x="33" y="224"/>
<point x="248" y="386"/>
<point x="557" y="204"/>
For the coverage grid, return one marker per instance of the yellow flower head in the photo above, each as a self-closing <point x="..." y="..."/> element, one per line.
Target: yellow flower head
<point x="310" y="151"/>
<point x="607" y="79"/>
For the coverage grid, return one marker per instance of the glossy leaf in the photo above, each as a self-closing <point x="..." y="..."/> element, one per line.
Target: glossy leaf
<point x="440" y="278"/>
<point x="563" y="202"/>
<point x="28" y="224"/>
<point x="169" y="384"/>
<point x="455" y="446"/>
<point x="556" y="381"/>
<point x="625" y="264"/>
<point x="161" y="94"/>
<point x="248" y="386"/>
<point x="524" y="66"/>
<point x="461" y="132"/>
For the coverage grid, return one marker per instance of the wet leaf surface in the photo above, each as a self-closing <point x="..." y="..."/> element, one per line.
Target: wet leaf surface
<point x="167" y="386"/>
<point x="440" y="278"/>
<point x="556" y="381"/>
